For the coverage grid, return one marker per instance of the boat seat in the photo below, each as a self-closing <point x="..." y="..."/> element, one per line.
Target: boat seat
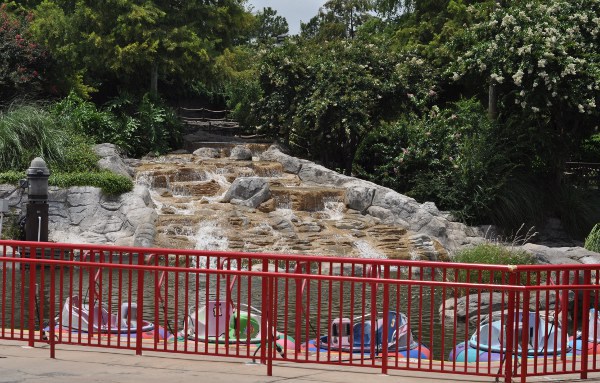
<point x="213" y="320"/>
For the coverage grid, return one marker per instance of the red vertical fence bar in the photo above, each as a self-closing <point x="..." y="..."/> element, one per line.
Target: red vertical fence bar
<point x="585" y="330"/>
<point x="140" y="303"/>
<point x="31" y="296"/>
<point x="386" y="325"/>
<point x="510" y="324"/>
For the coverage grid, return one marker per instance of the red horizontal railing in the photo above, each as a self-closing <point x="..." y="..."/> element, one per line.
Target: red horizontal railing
<point x="499" y="321"/>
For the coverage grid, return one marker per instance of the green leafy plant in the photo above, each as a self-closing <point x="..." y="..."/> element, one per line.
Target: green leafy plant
<point x="491" y="254"/>
<point x="592" y="242"/>
<point x="109" y="182"/>
<point x="28" y="131"/>
<point x="11" y="177"/>
<point x="137" y="126"/>
<point x="446" y="156"/>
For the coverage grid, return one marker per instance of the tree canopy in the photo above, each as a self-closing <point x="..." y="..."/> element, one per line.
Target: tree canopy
<point x="128" y="42"/>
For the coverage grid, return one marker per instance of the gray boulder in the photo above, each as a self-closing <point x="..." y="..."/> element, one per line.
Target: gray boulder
<point x="111" y="159"/>
<point x="561" y="255"/>
<point x="312" y="173"/>
<point x="241" y="153"/>
<point x="290" y="164"/>
<point x="248" y="191"/>
<point x="86" y="215"/>
<point x="359" y="196"/>
<point x="207" y="153"/>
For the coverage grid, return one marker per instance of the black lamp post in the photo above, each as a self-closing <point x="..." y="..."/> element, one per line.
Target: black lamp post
<point x="36" y="223"/>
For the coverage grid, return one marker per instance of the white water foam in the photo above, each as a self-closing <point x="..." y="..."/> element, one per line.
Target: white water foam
<point x="333" y="208"/>
<point x="365" y="250"/>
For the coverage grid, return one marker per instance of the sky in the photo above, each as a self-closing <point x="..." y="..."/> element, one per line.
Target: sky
<point x="293" y="10"/>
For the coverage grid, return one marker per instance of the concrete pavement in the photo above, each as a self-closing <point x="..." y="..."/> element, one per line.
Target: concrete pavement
<point x="19" y="364"/>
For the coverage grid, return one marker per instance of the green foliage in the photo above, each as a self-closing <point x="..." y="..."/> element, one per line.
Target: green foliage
<point x="491" y="254"/>
<point x="110" y="183"/>
<point x="578" y="209"/>
<point x="29" y="131"/>
<point x="84" y="117"/>
<point x="543" y="56"/>
<point x="337" y="19"/>
<point x="446" y="156"/>
<point x="590" y="150"/>
<point x="137" y="126"/>
<point x="592" y="242"/>
<point x="120" y="45"/>
<point x="237" y="74"/>
<point x="11" y="177"/>
<point x="322" y="99"/>
<point x="269" y="25"/>
<point x="22" y="61"/>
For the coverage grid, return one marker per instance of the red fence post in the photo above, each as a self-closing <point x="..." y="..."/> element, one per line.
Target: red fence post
<point x="140" y="306"/>
<point x="263" y="324"/>
<point x="32" y="293"/>
<point x="52" y="309"/>
<point x="386" y="309"/>
<point x="524" y="337"/>
<point x="270" y="326"/>
<point x="300" y="285"/>
<point x="510" y="326"/>
<point x="585" y="325"/>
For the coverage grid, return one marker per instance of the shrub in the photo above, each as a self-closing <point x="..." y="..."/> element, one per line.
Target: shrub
<point x="11" y="177"/>
<point x="109" y="182"/>
<point x="138" y="127"/>
<point x="22" y="61"/>
<point x="455" y="157"/>
<point x="28" y="131"/>
<point x="577" y="208"/>
<point x="491" y="254"/>
<point x="592" y="242"/>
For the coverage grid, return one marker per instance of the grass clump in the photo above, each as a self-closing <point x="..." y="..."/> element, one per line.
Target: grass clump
<point x="110" y="183"/>
<point x="592" y="242"/>
<point x="11" y="177"/>
<point x="491" y="254"/>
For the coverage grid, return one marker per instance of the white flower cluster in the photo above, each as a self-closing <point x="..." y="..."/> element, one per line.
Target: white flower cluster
<point x="518" y="77"/>
<point x="549" y="49"/>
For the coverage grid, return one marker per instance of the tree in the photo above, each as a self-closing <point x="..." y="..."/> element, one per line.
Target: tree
<point x="337" y="19"/>
<point x="22" y="61"/>
<point x="322" y="98"/>
<point x="127" y="41"/>
<point x="543" y="56"/>
<point x="269" y="25"/>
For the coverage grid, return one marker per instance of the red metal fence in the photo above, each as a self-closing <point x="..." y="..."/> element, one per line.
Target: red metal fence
<point x="497" y="321"/>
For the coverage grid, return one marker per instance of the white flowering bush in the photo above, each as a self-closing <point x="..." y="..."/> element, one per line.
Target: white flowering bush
<point x="544" y="57"/>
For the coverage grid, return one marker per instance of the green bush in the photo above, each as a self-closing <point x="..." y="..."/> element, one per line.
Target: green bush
<point x="29" y="131"/>
<point x="109" y="182"/>
<point x="455" y="157"/>
<point x="11" y="177"/>
<point x="138" y="126"/>
<point x="490" y="254"/>
<point x="592" y="242"/>
<point x="577" y="208"/>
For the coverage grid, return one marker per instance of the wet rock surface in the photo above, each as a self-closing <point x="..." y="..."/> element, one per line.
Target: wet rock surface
<point x="272" y="202"/>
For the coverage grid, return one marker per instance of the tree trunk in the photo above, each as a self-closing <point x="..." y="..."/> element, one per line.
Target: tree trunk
<point x="154" y="79"/>
<point x="492" y="101"/>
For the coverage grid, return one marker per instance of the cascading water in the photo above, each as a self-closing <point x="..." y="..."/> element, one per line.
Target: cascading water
<point x="299" y="218"/>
